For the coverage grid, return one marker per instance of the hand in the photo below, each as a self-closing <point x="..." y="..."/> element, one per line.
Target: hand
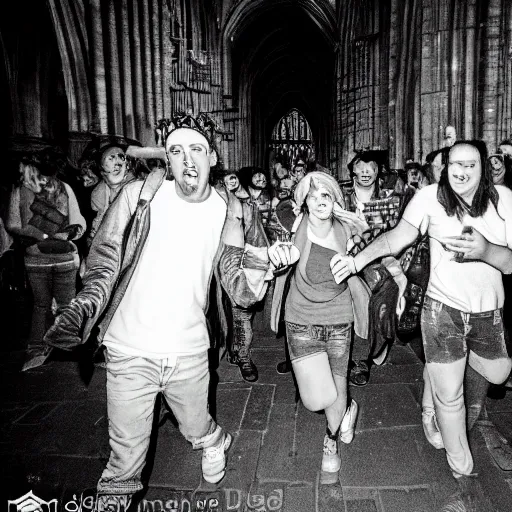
<point x="60" y="236"/>
<point x="282" y="254"/>
<point x="342" y="267"/>
<point x="351" y="218"/>
<point x="473" y="246"/>
<point x="64" y="333"/>
<point x="72" y="231"/>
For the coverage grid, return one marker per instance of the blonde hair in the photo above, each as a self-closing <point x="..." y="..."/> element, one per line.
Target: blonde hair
<point x="317" y="179"/>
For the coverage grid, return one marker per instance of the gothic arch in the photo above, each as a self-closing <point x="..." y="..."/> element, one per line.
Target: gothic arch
<point x="320" y="12"/>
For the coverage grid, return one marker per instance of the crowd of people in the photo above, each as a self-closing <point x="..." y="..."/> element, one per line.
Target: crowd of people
<point x="167" y="256"/>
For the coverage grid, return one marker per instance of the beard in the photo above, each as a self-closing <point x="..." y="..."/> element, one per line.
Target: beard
<point x="188" y="189"/>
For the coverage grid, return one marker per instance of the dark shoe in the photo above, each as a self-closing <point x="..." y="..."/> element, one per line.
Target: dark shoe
<point x="232" y="358"/>
<point x="36" y="357"/>
<point x="360" y="374"/>
<point x="248" y="369"/>
<point x="284" y="367"/>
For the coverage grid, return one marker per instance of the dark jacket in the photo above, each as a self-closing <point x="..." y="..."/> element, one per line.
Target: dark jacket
<point x="114" y="255"/>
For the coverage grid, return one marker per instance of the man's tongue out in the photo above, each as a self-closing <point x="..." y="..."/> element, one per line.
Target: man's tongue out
<point x="190" y="175"/>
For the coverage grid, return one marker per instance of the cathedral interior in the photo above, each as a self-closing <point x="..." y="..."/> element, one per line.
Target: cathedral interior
<point x="364" y="74"/>
<point x="319" y="79"/>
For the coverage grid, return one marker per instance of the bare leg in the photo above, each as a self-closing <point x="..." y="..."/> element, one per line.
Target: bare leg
<point x="335" y="412"/>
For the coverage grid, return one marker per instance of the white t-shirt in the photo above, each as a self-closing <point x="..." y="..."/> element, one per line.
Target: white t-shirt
<point x="471" y="287"/>
<point x="162" y="313"/>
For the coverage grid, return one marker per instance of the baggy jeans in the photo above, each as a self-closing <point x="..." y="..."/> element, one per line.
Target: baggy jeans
<point x="451" y="339"/>
<point x="133" y="384"/>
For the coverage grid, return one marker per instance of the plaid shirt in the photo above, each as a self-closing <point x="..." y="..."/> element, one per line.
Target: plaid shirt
<point x="381" y="213"/>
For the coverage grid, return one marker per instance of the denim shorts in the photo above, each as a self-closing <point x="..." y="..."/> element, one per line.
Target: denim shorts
<point x="310" y="339"/>
<point x="448" y="333"/>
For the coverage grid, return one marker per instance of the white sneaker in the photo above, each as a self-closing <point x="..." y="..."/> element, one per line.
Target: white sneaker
<point x="348" y="423"/>
<point x="331" y="461"/>
<point x="213" y="462"/>
<point x="431" y="429"/>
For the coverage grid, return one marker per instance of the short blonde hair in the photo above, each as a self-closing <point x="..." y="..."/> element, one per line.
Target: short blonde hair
<point x="317" y="179"/>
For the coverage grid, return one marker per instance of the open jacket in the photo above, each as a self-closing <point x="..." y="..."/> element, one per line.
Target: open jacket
<point x="358" y="289"/>
<point x="241" y="271"/>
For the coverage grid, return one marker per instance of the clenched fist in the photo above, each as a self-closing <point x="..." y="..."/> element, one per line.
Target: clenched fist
<point x="342" y="267"/>
<point x="282" y="254"/>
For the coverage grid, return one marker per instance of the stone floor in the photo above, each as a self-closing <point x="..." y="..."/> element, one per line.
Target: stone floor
<point x="54" y="442"/>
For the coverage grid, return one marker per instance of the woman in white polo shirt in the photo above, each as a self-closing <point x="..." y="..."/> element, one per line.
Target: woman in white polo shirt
<point x="469" y="223"/>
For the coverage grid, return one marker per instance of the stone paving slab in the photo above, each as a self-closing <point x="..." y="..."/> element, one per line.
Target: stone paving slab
<point x="277" y="455"/>
<point x="231" y="406"/>
<point x="385" y="457"/>
<point x="502" y="405"/>
<point x="386" y="405"/>
<point x="259" y="408"/>
<point x="175" y="464"/>
<point x="409" y="499"/>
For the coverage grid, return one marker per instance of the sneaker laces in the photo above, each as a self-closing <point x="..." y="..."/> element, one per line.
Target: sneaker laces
<point x="245" y="364"/>
<point x="330" y="446"/>
<point x="214" y="452"/>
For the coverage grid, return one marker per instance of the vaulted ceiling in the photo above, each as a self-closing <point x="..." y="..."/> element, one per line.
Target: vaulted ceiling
<point x="284" y="50"/>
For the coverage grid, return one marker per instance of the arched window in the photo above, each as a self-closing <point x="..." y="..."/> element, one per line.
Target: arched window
<point x="292" y="139"/>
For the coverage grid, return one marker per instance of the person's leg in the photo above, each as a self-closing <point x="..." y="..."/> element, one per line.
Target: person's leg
<point x="428" y="414"/>
<point x="360" y="366"/>
<point x="285" y="366"/>
<point x="64" y="285"/>
<point x="447" y="389"/>
<point x="185" y="389"/>
<point x="444" y="330"/>
<point x="242" y="342"/>
<point x="132" y="386"/>
<point x="488" y="363"/>
<point x="338" y="349"/>
<point x="340" y="417"/>
<point x="40" y="281"/>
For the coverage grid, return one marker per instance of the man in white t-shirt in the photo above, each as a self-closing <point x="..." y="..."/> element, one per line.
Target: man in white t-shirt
<point x="148" y="280"/>
<point x="469" y="223"/>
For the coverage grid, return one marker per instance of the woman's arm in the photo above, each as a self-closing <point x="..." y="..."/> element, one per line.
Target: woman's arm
<point x="390" y="243"/>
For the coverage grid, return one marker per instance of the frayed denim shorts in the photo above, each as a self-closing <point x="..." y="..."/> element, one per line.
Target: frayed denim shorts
<point x="448" y="333"/>
<point x="334" y="339"/>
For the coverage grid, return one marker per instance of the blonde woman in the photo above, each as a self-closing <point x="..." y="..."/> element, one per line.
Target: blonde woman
<point x="320" y="313"/>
